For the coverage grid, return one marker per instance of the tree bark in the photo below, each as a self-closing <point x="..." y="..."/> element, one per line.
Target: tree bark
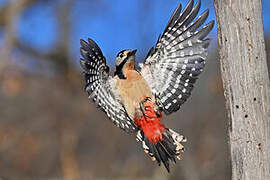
<point x="246" y="86"/>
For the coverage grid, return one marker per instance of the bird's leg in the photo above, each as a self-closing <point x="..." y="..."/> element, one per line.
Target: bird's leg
<point x="159" y="105"/>
<point x="158" y="102"/>
<point x="142" y="107"/>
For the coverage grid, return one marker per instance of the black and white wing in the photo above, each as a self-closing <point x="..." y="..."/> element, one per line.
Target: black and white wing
<point x="100" y="85"/>
<point x="172" y="66"/>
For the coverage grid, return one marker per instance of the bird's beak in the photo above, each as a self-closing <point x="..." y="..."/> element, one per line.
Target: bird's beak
<point x="132" y="53"/>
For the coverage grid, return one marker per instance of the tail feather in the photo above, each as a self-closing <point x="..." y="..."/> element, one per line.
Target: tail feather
<point x="166" y="150"/>
<point x="160" y="143"/>
<point x="169" y="149"/>
<point x="164" y="155"/>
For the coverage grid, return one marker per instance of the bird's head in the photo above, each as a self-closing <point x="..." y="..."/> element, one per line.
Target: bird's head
<point x="124" y="58"/>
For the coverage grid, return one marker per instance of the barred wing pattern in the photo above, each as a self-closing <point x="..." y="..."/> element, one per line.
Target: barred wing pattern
<point x="100" y="86"/>
<point x="172" y="66"/>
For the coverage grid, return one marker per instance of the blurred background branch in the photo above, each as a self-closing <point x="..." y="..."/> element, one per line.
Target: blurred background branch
<point x="8" y="21"/>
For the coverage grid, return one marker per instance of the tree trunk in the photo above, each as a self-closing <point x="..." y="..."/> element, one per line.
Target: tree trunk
<point x="246" y="86"/>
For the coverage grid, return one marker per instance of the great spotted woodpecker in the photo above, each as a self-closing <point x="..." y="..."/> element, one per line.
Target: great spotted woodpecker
<point x="135" y="99"/>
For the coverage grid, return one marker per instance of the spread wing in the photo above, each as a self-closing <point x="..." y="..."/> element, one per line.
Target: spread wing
<point x="173" y="65"/>
<point x="100" y="85"/>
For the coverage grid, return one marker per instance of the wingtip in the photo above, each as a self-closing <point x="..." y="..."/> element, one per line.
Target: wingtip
<point x="179" y="6"/>
<point x="83" y="52"/>
<point x="198" y="4"/>
<point x="91" y="40"/>
<point x="190" y="3"/>
<point x="211" y="24"/>
<point x="207" y="12"/>
<point x="83" y="43"/>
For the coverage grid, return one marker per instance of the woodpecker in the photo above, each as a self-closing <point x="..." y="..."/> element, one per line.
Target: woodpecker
<point x="136" y="99"/>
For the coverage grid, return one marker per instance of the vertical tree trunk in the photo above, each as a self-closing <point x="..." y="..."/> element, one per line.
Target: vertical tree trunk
<point x="246" y="86"/>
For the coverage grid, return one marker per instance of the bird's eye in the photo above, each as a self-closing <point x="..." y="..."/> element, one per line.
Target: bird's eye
<point x="121" y="55"/>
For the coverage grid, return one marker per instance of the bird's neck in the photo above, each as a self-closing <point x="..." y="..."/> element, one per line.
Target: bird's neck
<point x="122" y="70"/>
<point x="129" y="66"/>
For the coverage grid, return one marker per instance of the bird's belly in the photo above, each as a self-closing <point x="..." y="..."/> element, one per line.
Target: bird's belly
<point x="132" y="93"/>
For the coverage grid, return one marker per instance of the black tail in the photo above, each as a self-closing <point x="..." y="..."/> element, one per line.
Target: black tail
<point x="169" y="149"/>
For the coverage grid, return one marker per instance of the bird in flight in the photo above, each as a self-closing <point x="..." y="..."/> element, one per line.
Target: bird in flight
<point x="136" y="99"/>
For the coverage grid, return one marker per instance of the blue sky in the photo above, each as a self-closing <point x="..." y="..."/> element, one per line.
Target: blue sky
<point x="115" y="25"/>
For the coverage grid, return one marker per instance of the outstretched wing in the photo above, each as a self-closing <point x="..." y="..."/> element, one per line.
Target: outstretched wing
<point x="172" y="66"/>
<point x="100" y="85"/>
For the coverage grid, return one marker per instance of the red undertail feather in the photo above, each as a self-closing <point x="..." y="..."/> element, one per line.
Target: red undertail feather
<point x="151" y="125"/>
<point x="160" y="143"/>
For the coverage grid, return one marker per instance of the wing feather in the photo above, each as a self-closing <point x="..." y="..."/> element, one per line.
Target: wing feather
<point x="173" y="65"/>
<point x="100" y="86"/>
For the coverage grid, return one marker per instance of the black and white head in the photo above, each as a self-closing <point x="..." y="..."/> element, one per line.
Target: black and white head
<point x="125" y="56"/>
<point x="124" y="59"/>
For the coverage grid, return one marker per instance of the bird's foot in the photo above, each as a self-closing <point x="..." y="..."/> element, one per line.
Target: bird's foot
<point x="142" y="107"/>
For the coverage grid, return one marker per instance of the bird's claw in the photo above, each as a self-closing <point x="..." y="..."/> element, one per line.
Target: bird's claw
<point x="158" y="102"/>
<point x="142" y="107"/>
